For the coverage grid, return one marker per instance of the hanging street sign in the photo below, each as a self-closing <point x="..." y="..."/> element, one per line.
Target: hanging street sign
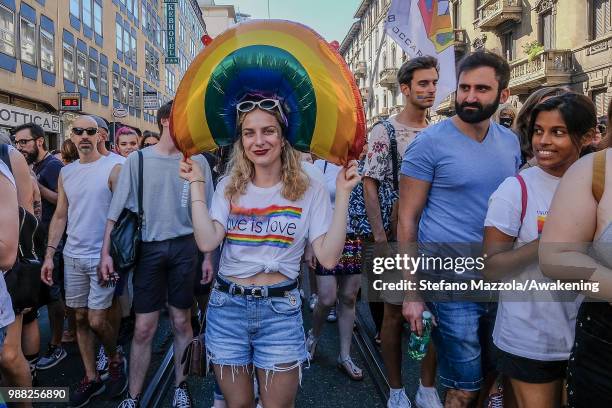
<point x="171" y="57"/>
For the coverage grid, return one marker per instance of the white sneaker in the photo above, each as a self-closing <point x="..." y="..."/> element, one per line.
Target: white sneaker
<point x="312" y="302"/>
<point x="427" y="397"/>
<point x="398" y="400"/>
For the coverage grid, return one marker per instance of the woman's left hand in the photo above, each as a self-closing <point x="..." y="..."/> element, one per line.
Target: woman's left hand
<point x="348" y="178"/>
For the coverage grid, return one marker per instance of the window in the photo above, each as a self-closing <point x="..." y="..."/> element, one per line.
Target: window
<point x="547" y="36"/>
<point x="103" y="80"/>
<point x="124" y="92"/>
<point x="133" y="49"/>
<point x="137" y="96"/>
<point x="28" y="41"/>
<point x="68" y="62"/>
<point x="97" y="8"/>
<point x="93" y="75"/>
<point x="119" y="37"/>
<point x="144" y="17"/>
<point x="115" y="86"/>
<point x="157" y="33"/>
<point x="81" y="68"/>
<point x="75" y="8"/>
<point x="507" y="41"/>
<point x="7" y="31"/>
<point x="87" y="13"/>
<point x="131" y="94"/>
<point x="126" y="43"/>
<point x="47" y="51"/>
<point x="599" y="99"/>
<point x="601" y="15"/>
<point x="456" y="15"/>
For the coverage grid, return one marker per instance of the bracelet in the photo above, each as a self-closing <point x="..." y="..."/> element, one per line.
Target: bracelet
<point x="51" y="246"/>
<point x="195" y="201"/>
<point x="197" y="181"/>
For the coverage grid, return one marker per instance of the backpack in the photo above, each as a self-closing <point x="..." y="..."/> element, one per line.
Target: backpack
<point x="388" y="193"/>
<point x="23" y="279"/>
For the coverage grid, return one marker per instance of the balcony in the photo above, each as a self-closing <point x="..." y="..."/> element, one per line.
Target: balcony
<point x="495" y="12"/>
<point x="361" y="70"/>
<point x="461" y="41"/>
<point x="388" y="78"/>
<point x="365" y="92"/>
<point x="550" y="68"/>
<point x="447" y="106"/>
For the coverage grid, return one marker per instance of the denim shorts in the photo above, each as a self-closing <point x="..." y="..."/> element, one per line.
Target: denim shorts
<point x="266" y="332"/>
<point x="464" y="342"/>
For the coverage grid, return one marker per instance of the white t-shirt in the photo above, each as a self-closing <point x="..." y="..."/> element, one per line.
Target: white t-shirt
<point x="266" y="232"/>
<point x="7" y="316"/>
<point x="116" y="158"/>
<point x="536" y="329"/>
<point x="89" y="197"/>
<point x="330" y="173"/>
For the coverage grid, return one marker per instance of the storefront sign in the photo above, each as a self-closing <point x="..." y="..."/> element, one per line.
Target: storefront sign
<point x="70" y="101"/>
<point x="13" y="116"/>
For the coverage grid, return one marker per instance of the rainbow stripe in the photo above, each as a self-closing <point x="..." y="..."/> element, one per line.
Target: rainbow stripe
<point x="279" y="241"/>
<point x="326" y="115"/>
<point x="271" y="211"/>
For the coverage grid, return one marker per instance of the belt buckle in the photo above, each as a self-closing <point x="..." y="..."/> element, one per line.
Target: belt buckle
<point x="238" y="290"/>
<point x="257" y="292"/>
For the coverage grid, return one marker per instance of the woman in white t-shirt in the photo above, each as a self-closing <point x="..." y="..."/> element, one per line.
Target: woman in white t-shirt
<point x="534" y="330"/>
<point x="263" y="211"/>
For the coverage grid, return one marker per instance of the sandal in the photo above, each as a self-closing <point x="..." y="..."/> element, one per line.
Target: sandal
<point x="349" y="368"/>
<point x="311" y="345"/>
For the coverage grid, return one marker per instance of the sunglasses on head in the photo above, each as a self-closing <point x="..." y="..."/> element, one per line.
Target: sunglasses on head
<point x="264" y="104"/>
<point x="602" y="128"/>
<point x="79" y="131"/>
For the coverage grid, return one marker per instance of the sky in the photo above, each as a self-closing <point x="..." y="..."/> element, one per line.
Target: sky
<point x="330" y="18"/>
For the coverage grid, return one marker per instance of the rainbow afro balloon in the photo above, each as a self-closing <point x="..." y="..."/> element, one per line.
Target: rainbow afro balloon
<point x="286" y="60"/>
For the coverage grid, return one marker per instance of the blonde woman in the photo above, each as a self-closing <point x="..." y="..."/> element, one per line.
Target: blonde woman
<point x="266" y="208"/>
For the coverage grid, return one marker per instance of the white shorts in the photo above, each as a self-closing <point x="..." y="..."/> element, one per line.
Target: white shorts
<point x="82" y="287"/>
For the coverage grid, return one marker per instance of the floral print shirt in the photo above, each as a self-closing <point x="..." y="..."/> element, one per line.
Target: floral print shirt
<point x="378" y="157"/>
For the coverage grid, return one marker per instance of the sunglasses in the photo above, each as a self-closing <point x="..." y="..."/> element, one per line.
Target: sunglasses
<point x="602" y="128"/>
<point x="79" y="131"/>
<point x="149" y="144"/>
<point x="264" y="104"/>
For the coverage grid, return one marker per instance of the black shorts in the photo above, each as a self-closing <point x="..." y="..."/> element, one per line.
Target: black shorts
<point x="164" y="272"/>
<point x="528" y="370"/>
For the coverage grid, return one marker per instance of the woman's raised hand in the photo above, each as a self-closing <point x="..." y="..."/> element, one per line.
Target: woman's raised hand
<point x="190" y="171"/>
<point x="348" y="178"/>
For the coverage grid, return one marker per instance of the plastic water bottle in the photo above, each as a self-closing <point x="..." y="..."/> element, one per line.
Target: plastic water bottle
<point x="417" y="345"/>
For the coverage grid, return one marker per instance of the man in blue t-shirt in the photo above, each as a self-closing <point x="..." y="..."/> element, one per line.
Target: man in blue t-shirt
<point x="448" y="174"/>
<point x="30" y="141"/>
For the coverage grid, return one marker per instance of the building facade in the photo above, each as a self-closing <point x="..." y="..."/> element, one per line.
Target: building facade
<point x="218" y="17"/>
<point x="110" y="52"/>
<point x="546" y="42"/>
<point x="374" y="59"/>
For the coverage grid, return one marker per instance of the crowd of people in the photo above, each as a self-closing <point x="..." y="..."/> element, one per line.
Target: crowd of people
<point x="225" y="237"/>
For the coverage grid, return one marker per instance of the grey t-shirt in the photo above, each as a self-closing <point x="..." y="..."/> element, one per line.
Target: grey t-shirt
<point x="166" y="197"/>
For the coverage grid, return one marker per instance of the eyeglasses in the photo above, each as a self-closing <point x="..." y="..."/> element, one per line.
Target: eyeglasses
<point x="265" y="104"/>
<point x="79" y="131"/>
<point x="23" y="142"/>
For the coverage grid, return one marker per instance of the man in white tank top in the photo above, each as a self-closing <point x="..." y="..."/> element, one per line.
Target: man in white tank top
<point x="85" y="190"/>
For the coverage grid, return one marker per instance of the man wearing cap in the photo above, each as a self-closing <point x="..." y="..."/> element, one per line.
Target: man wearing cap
<point x="103" y="138"/>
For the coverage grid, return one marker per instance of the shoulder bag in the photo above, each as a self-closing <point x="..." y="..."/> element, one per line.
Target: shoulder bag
<point x="127" y="232"/>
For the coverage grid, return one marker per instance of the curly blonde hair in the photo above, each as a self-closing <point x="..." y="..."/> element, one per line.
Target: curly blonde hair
<point x="241" y="170"/>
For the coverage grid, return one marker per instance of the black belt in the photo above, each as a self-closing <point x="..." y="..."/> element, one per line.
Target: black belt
<point x="255" y="291"/>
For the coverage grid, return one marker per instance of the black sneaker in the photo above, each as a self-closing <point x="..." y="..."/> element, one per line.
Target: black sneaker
<point x="52" y="357"/>
<point x="85" y="391"/>
<point x="182" y="398"/>
<point x="117" y="381"/>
